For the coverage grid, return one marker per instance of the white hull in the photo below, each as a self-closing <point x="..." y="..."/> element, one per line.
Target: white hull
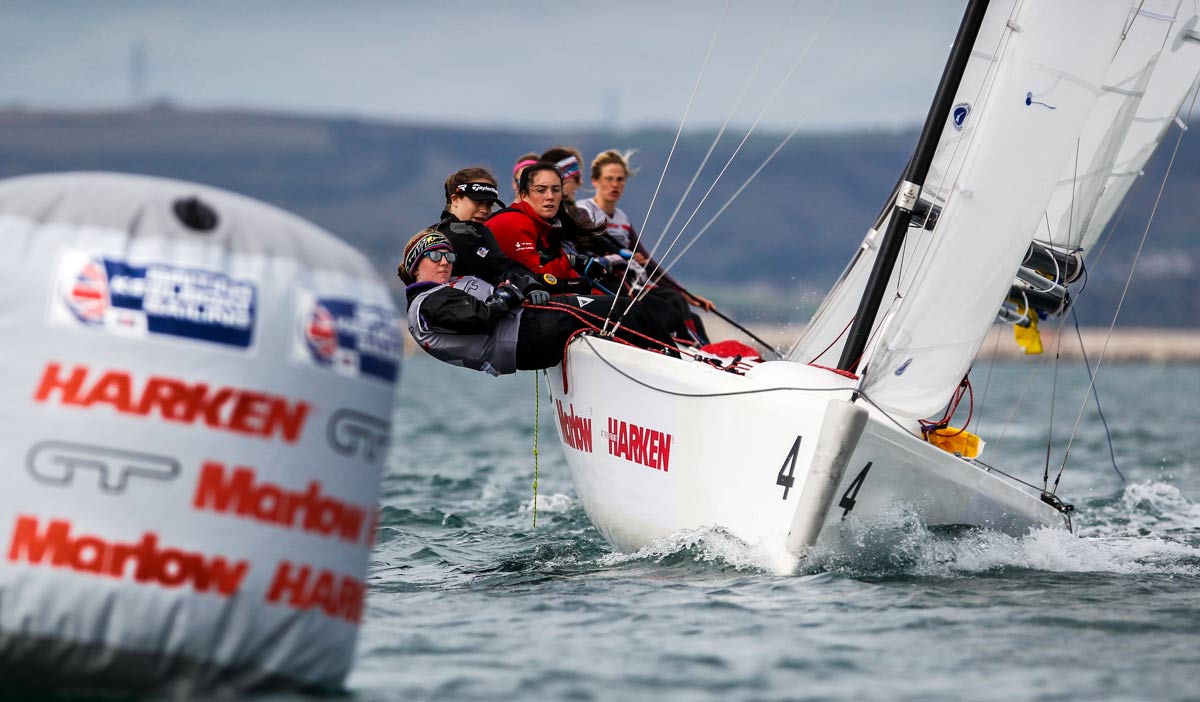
<point x="658" y="445"/>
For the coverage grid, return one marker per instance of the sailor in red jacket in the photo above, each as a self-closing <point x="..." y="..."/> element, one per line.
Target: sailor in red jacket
<point x="531" y="231"/>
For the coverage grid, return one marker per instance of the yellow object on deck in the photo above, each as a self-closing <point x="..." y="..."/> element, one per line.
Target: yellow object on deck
<point x="952" y="440"/>
<point x="1028" y="338"/>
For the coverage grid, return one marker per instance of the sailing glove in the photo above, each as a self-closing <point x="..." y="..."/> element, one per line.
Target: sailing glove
<point x="508" y="294"/>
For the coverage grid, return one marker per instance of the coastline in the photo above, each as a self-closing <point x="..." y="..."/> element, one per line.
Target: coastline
<point x="1126" y="344"/>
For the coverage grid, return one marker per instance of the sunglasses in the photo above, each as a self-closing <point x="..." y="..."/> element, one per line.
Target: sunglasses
<point x="436" y="256"/>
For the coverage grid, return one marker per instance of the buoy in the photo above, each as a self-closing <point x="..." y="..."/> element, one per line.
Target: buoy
<point x="194" y="412"/>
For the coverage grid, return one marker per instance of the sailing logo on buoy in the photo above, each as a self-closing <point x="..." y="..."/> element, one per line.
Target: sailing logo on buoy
<point x="349" y="337"/>
<point x="321" y="334"/>
<point x="157" y="299"/>
<point x="87" y="296"/>
<point x="959" y="115"/>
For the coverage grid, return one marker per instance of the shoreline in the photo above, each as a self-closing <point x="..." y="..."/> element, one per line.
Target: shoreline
<point x="1126" y="345"/>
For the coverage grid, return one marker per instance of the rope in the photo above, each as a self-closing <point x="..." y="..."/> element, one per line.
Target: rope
<point x="537" y="406"/>
<point x="721" y="132"/>
<point x="1096" y="394"/>
<point x="661" y="270"/>
<point x="675" y="393"/>
<point x="1124" y="293"/>
<point x="682" y="122"/>
<point x="987" y="383"/>
<point x="1053" y="399"/>
<point x="796" y="64"/>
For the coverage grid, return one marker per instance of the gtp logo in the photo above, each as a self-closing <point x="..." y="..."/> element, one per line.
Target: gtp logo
<point x="349" y="337"/>
<point x="59" y="462"/>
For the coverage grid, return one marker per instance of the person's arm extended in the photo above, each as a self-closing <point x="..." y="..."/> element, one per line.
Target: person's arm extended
<point x="452" y="311"/>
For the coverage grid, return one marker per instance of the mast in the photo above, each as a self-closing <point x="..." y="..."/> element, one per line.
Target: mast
<point x="913" y="181"/>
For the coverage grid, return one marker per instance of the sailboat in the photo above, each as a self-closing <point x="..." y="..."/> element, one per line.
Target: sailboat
<point x="1045" y="114"/>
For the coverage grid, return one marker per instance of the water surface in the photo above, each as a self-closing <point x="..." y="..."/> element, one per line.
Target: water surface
<point x="468" y="601"/>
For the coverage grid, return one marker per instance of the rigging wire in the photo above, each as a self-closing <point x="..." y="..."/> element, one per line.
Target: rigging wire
<point x="1053" y="399"/>
<point x="987" y="382"/>
<point x="660" y="270"/>
<point x="1058" y="332"/>
<point x="712" y="147"/>
<point x="1124" y="292"/>
<point x="985" y="85"/>
<point x="778" y="89"/>
<point x="1112" y="454"/>
<point x="745" y="88"/>
<point x="686" y="112"/>
<point x="1021" y="399"/>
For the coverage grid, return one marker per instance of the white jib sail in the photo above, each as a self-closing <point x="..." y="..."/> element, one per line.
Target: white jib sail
<point x="1051" y="64"/>
<point x="1075" y="199"/>
<point x="825" y="335"/>
<point x="1175" y="75"/>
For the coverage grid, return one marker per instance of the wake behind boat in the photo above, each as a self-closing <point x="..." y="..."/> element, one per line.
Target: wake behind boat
<point x="778" y="451"/>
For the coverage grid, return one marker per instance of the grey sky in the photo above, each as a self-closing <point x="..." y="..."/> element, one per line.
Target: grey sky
<point x="534" y="64"/>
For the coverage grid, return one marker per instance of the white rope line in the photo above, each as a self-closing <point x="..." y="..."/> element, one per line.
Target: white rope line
<point x="796" y="64"/>
<point x="737" y="150"/>
<point x="686" y="112"/>
<point x="1124" y="293"/>
<point x="660" y="271"/>
<point x="712" y="147"/>
<point x="1020" y="399"/>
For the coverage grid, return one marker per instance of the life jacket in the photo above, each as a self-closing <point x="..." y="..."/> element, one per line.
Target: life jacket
<point x="494" y="353"/>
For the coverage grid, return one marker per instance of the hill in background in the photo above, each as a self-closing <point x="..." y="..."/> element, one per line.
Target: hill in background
<point x="769" y="257"/>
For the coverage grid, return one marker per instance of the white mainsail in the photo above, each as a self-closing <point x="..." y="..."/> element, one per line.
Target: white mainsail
<point x="1052" y="60"/>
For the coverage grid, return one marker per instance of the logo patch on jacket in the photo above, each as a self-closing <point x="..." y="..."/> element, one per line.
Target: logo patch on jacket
<point x="481" y="252"/>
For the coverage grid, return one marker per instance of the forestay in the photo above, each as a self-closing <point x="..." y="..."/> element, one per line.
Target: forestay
<point x="1052" y="59"/>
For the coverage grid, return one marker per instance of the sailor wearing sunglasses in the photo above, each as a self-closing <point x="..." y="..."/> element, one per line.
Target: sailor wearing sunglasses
<point x="468" y="322"/>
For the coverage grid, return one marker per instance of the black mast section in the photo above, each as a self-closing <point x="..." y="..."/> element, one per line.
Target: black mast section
<point x="914" y="174"/>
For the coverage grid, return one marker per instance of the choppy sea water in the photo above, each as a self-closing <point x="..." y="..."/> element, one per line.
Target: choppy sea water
<point x="468" y="601"/>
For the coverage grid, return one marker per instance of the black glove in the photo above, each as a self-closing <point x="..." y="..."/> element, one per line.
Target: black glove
<point x="585" y="264"/>
<point x="578" y="261"/>
<point x="508" y="294"/>
<point x="538" y="297"/>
